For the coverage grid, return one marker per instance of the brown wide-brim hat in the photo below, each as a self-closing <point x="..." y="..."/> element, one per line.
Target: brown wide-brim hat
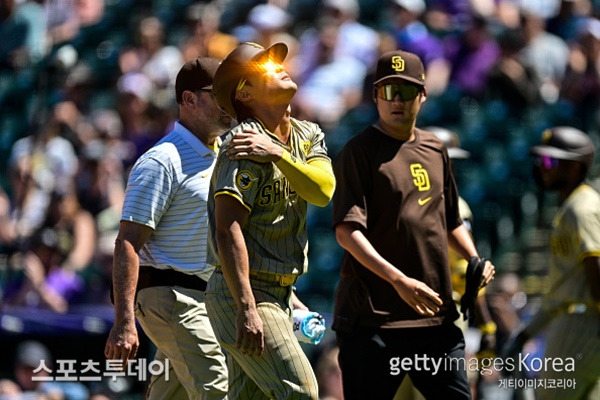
<point x="241" y="62"/>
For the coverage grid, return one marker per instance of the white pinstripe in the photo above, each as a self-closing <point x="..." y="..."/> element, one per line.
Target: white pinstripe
<point x="168" y="191"/>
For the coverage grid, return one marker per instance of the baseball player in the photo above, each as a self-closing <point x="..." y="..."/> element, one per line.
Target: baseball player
<point x="257" y="213"/>
<point x="395" y="212"/>
<point x="570" y="310"/>
<point x="160" y="268"/>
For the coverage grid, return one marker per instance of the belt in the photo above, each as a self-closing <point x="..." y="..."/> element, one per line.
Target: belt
<point x="150" y="277"/>
<point x="281" y="279"/>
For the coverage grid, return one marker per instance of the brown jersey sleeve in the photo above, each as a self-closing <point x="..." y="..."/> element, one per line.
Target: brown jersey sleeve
<point x="351" y="172"/>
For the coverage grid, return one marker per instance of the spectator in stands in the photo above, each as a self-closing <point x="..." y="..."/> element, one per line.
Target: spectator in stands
<point x="472" y="55"/>
<point x="354" y="39"/>
<point x="37" y="164"/>
<point x="9" y="389"/>
<point x="89" y="12"/>
<point x="570" y="14"/>
<point x="160" y="62"/>
<point x="75" y="97"/>
<point x="56" y="252"/>
<point x="510" y="81"/>
<point x="269" y="24"/>
<point x="130" y="60"/>
<point x="580" y="86"/>
<point x="33" y="363"/>
<point x="23" y="29"/>
<point x="102" y="395"/>
<point x="101" y="188"/>
<point x="546" y="53"/>
<point x="100" y="179"/>
<point x="62" y="21"/>
<point x="206" y="40"/>
<point x="413" y="35"/>
<point x="135" y="92"/>
<point x="457" y="11"/>
<point x="332" y="86"/>
<point x="8" y="224"/>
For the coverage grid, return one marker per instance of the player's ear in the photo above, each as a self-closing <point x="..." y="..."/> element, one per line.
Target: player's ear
<point x="423" y="95"/>
<point x="375" y="94"/>
<point x="189" y="98"/>
<point x="243" y="95"/>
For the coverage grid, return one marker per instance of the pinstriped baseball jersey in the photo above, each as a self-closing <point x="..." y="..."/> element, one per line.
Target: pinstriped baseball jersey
<point x="283" y="371"/>
<point x="168" y="191"/>
<point x="575" y="235"/>
<point x="275" y="233"/>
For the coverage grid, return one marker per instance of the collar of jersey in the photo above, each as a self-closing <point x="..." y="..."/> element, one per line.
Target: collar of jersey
<point x="193" y="141"/>
<point x="274" y="136"/>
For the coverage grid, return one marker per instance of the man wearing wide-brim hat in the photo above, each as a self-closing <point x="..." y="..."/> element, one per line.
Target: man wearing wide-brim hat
<point x="270" y="166"/>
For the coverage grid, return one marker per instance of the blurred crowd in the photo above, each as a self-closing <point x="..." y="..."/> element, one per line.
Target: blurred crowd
<point x="86" y="86"/>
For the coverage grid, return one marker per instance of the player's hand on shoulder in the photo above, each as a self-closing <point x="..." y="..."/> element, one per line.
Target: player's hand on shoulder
<point x="419" y="296"/>
<point x="122" y="343"/>
<point x="488" y="274"/>
<point x="249" y="331"/>
<point x="252" y="145"/>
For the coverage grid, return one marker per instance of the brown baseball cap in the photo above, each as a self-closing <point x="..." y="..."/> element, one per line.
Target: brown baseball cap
<point x="566" y="143"/>
<point x="242" y="61"/>
<point x="400" y="64"/>
<point x="195" y="75"/>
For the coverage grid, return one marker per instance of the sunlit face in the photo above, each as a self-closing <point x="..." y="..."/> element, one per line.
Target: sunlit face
<point x="269" y="83"/>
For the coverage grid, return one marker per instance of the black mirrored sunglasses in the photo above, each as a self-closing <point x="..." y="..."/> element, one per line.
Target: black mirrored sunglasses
<point x="406" y="92"/>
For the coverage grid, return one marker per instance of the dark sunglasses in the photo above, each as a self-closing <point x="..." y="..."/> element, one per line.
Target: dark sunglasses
<point x="546" y="161"/>
<point x="406" y="92"/>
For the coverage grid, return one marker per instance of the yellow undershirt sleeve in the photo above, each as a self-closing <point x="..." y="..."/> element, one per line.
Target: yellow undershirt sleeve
<point x="313" y="181"/>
